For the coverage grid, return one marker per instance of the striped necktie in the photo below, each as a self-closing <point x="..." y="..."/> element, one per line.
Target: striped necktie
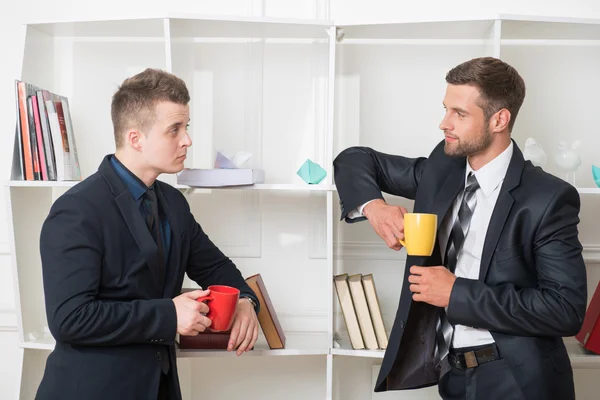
<point x="460" y="227"/>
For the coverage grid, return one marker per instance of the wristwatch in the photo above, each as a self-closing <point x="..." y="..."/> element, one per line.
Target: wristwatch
<point x="251" y="300"/>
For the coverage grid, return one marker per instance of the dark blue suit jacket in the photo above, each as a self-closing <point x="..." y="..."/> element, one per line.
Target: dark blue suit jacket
<point x="108" y="298"/>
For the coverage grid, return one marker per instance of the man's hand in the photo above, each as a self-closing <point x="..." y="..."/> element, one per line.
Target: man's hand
<point x="189" y="320"/>
<point x="244" y="330"/>
<point x="387" y="221"/>
<point x="431" y="285"/>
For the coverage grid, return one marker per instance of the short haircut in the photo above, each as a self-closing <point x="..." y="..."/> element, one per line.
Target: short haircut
<point x="134" y="103"/>
<point x="500" y="85"/>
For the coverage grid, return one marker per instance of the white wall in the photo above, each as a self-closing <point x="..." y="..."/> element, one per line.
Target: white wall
<point x="15" y="13"/>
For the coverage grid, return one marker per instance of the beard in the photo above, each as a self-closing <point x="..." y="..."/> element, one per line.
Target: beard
<point x="462" y="148"/>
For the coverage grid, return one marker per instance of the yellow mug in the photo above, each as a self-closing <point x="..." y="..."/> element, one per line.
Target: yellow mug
<point x="420" y="232"/>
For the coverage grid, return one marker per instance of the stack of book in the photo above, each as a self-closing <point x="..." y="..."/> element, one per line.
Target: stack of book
<point x="361" y="310"/>
<point x="44" y="147"/>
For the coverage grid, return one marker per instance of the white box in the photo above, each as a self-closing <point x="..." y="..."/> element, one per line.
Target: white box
<point x="197" y="177"/>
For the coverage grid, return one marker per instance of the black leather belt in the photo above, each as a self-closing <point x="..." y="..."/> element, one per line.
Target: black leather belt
<point x="471" y="359"/>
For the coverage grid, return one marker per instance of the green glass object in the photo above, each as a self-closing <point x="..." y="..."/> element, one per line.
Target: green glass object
<point x="596" y="175"/>
<point x="311" y="172"/>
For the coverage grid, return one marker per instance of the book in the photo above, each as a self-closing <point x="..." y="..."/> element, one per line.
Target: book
<point x="267" y="317"/>
<point x="342" y="289"/>
<point x="45" y="140"/>
<point x="362" y="311"/>
<point x="206" y="340"/>
<point x="589" y="335"/>
<point x="375" y="310"/>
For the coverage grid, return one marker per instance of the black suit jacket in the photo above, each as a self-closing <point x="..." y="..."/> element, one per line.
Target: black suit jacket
<point x="532" y="283"/>
<point x="109" y="309"/>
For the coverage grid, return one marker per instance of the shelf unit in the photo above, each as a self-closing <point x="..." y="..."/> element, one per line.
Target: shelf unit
<point x="285" y="90"/>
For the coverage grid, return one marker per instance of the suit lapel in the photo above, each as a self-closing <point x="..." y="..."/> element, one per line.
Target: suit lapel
<point x="134" y="221"/>
<point x="454" y="183"/>
<point x="501" y="210"/>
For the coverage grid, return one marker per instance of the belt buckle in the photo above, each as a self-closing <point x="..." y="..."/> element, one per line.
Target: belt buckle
<point x="470" y="359"/>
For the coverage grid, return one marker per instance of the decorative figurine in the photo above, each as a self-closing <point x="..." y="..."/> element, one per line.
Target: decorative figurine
<point x="567" y="159"/>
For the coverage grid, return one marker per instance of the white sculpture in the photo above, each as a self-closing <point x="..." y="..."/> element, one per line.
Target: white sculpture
<point x="567" y="159"/>
<point x="534" y="153"/>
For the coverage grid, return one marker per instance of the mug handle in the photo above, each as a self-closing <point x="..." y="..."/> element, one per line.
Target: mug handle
<point x="402" y="242"/>
<point x="209" y="297"/>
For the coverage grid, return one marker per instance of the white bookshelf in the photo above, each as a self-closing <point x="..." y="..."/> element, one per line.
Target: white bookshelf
<point x="389" y="90"/>
<point x="287" y="90"/>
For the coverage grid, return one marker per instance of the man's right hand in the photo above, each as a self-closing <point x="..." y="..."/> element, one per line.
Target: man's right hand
<point x="189" y="320"/>
<point x="387" y="221"/>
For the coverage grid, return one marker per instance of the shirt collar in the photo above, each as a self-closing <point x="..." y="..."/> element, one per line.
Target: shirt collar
<point x="136" y="187"/>
<point x="492" y="174"/>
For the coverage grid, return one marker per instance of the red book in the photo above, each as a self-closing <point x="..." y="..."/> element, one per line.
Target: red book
<point x="589" y="336"/>
<point x="205" y="341"/>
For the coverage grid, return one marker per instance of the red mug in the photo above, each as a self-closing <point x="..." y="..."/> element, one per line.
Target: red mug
<point x="222" y="302"/>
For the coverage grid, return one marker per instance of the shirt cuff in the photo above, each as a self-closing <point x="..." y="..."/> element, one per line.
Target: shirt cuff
<point x="358" y="212"/>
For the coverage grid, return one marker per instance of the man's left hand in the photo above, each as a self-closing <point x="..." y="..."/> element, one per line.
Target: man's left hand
<point x="244" y="330"/>
<point x="431" y="285"/>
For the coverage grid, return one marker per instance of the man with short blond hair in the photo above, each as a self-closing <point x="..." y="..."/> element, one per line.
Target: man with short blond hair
<point x="115" y="249"/>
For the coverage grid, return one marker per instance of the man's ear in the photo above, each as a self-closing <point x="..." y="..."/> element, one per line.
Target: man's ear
<point x="133" y="137"/>
<point x="499" y="121"/>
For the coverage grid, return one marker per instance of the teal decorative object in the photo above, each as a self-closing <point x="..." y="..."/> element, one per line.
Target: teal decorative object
<point x="596" y="175"/>
<point x="311" y="172"/>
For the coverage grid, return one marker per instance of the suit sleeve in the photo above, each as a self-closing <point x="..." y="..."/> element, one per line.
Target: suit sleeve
<point x="71" y="253"/>
<point x="556" y="307"/>
<point x="207" y="265"/>
<point x="362" y="174"/>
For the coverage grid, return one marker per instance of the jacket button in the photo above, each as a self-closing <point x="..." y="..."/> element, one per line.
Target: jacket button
<point x="401" y="324"/>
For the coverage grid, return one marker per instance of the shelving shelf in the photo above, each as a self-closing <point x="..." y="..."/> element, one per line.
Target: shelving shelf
<point x="298" y="344"/>
<point x="188" y="25"/>
<point x="287" y="90"/>
<point x="259" y="186"/>
<point x="313" y="344"/>
<point x="580" y="358"/>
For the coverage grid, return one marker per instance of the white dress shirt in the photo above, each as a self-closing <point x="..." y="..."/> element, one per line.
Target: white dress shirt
<point x="490" y="178"/>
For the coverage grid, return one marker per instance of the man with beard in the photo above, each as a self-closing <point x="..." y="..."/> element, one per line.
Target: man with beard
<point x="483" y="316"/>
